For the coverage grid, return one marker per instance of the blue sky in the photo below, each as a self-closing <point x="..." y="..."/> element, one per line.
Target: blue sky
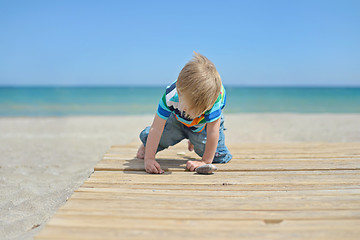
<point x="252" y="43"/>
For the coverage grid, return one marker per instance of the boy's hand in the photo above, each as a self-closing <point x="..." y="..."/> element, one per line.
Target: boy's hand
<point x="152" y="166"/>
<point x="192" y="165"/>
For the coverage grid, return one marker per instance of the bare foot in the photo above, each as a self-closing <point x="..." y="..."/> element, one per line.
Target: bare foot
<point x="190" y="146"/>
<point x="141" y="152"/>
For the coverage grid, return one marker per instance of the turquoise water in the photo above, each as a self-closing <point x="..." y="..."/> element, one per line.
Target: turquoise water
<point x="67" y="101"/>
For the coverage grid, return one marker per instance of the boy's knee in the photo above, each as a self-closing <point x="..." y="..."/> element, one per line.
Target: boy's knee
<point x="199" y="152"/>
<point x="199" y="142"/>
<point x="144" y="135"/>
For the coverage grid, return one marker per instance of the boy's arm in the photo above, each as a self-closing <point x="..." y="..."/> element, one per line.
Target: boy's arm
<point x="152" y="143"/>
<point x="212" y="138"/>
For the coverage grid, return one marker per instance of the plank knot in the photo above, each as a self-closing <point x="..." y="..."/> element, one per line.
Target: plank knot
<point x="273" y="221"/>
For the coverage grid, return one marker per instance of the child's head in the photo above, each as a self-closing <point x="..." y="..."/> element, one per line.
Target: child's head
<point x="198" y="85"/>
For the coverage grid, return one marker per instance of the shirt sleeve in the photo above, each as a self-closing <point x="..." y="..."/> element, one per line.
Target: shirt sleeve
<point x="215" y="112"/>
<point x="163" y="110"/>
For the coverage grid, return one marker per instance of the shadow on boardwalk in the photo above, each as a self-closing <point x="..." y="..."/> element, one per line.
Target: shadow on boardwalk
<point x="136" y="166"/>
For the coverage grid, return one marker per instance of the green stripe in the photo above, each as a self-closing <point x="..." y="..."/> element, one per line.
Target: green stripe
<point x="164" y="105"/>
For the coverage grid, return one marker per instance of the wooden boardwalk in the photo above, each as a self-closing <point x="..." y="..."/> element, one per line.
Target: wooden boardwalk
<point x="268" y="191"/>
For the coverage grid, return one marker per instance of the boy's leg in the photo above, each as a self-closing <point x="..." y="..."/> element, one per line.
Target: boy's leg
<point x="222" y="154"/>
<point x="173" y="133"/>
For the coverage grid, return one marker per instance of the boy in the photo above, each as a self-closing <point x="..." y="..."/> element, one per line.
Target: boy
<point x="190" y="108"/>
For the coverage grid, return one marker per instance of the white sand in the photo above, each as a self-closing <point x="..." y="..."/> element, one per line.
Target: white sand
<point x="43" y="160"/>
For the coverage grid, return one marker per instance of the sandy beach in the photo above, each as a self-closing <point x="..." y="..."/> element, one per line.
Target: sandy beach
<point x="43" y="160"/>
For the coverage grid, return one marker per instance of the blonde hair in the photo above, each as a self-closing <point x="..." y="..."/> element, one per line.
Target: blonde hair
<point x="200" y="83"/>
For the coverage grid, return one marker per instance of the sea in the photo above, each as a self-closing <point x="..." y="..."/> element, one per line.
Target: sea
<point x="94" y="101"/>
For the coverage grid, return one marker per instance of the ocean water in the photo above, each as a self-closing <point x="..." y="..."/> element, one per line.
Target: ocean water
<point x="68" y="101"/>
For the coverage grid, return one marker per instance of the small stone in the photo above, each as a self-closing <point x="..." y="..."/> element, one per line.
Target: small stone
<point x="35" y="226"/>
<point x="181" y="153"/>
<point x="206" y="169"/>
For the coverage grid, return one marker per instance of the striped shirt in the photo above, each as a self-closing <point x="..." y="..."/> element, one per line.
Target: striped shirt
<point x="169" y="103"/>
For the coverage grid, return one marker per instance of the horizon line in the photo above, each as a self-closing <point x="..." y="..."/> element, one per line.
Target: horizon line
<point x="160" y="85"/>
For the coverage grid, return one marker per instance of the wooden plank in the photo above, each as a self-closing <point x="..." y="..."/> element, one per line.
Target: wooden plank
<point x="212" y="197"/>
<point x="227" y="186"/>
<point x="190" y="230"/>
<point x="330" y="173"/>
<point x="227" y="205"/>
<point x="148" y="213"/>
<point x="183" y="224"/>
<point x="123" y="190"/>
<point x="234" y="178"/>
<point x="243" y="165"/>
<point x="267" y="231"/>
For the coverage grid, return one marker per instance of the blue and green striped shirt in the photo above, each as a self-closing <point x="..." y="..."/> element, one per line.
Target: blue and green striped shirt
<point x="169" y="103"/>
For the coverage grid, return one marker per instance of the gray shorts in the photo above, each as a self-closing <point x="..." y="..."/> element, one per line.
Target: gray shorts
<point x="175" y="131"/>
